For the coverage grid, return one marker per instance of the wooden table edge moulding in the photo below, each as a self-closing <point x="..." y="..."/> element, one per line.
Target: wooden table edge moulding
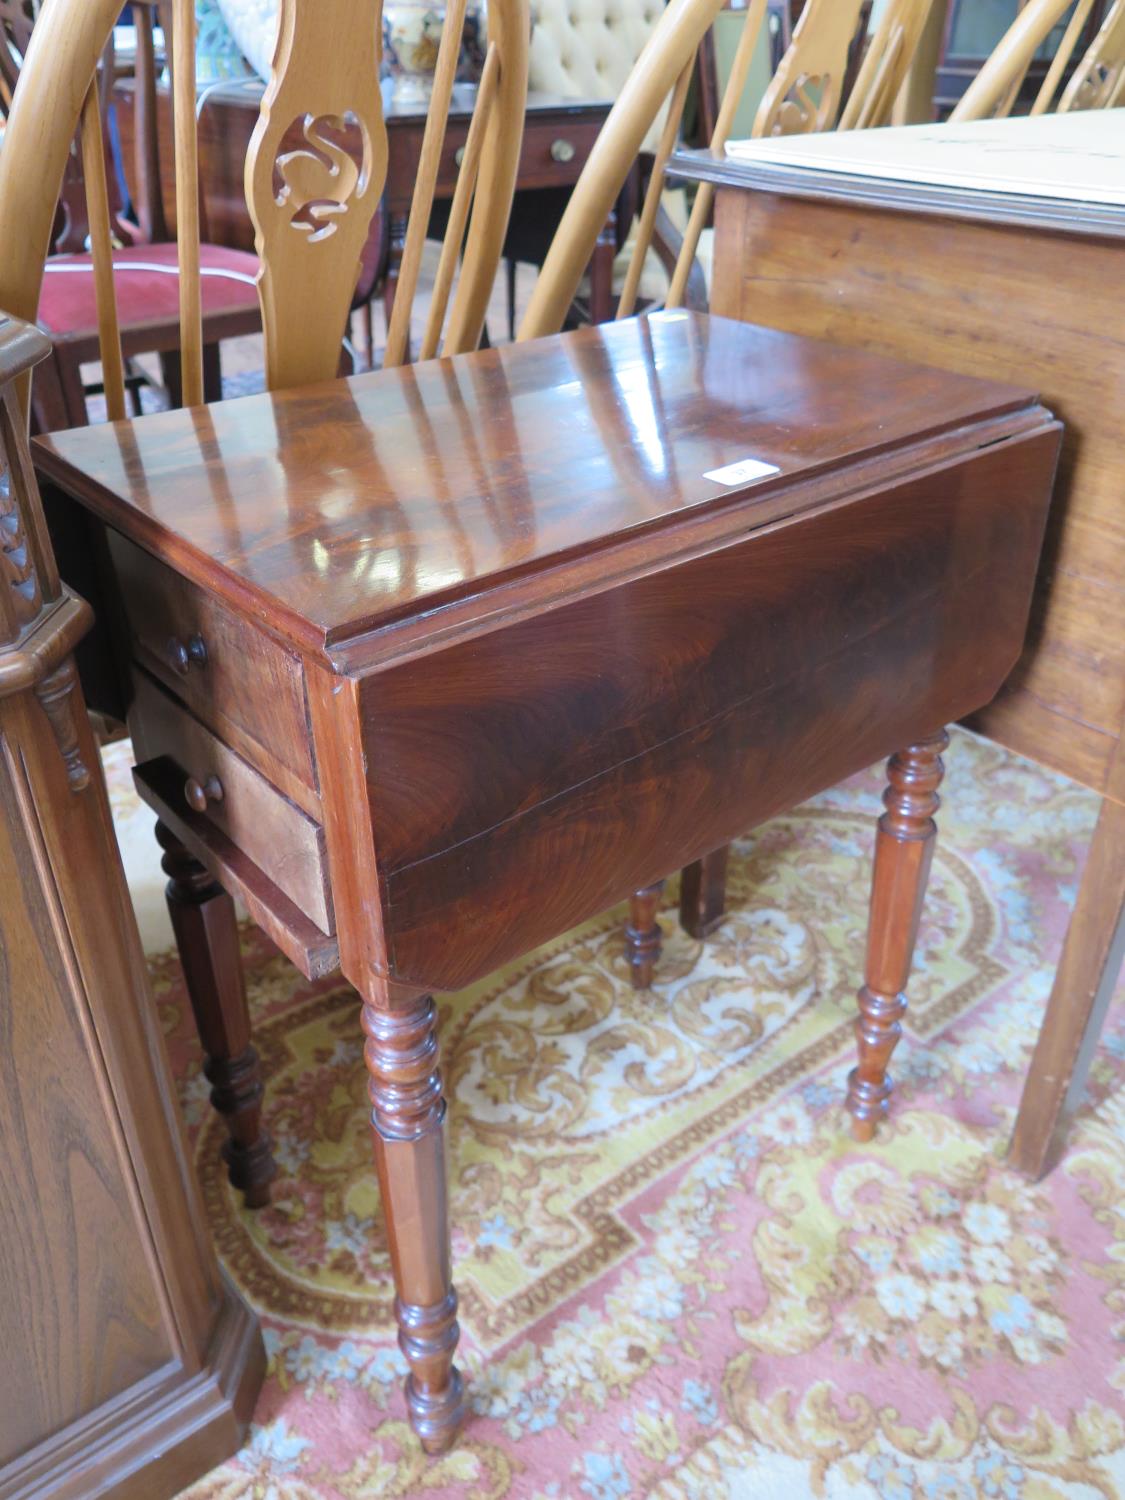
<point x="1014" y="285"/>
<point x="459" y="658"/>
<point x="129" y="1365"/>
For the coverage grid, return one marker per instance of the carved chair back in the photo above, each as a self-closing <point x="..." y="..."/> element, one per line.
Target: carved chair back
<point x="314" y="176"/>
<point x="994" y="90"/>
<point x="804" y="95"/>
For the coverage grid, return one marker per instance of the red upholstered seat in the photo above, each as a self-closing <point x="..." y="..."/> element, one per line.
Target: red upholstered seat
<point x="148" y="286"/>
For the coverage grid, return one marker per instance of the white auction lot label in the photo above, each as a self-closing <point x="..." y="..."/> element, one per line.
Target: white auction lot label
<point x="742" y="472"/>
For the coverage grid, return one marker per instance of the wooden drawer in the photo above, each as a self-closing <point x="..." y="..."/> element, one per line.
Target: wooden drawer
<point x="241" y="684"/>
<point x="554" y="151"/>
<point x="552" y="154"/>
<point x="269" y="829"/>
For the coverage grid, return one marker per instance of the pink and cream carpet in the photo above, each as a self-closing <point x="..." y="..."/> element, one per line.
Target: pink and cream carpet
<point x="678" y="1275"/>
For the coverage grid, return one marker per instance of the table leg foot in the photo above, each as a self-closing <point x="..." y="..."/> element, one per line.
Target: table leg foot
<point x="206" y="929"/>
<point x="408" y="1117"/>
<point x="904" y="849"/>
<point x="703" y="893"/>
<point x="644" y="936"/>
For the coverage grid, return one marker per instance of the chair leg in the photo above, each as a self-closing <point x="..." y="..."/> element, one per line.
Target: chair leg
<point x="644" y="936"/>
<point x="904" y="848"/>
<point x="171" y="376"/>
<point x="206" y="929"/>
<point x="1080" y="996"/>
<point x="408" y="1117"/>
<point x="369" y="334"/>
<point x="58" y="401"/>
<point x="703" y="893"/>
<point x="212" y="374"/>
<point x="512" y="267"/>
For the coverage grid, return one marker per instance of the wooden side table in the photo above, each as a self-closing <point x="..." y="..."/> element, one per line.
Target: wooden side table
<point x="128" y="1366"/>
<point x="431" y="665"/>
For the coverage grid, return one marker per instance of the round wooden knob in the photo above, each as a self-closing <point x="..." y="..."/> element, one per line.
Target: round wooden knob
<point x="183" y="655"/>
<point x="197" y="794"/>
<point x="562" y="150"/>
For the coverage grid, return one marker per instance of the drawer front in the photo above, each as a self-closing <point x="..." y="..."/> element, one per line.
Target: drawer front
<point x="240" y="683"/>
<point x="269" y="829"/>
<point x="554" y="152"/>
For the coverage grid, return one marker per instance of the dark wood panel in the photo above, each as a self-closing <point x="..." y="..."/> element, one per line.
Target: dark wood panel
<point x="85" y="1325"/>
<point x="738" y="684"/>
<point x="1042" y="307"/>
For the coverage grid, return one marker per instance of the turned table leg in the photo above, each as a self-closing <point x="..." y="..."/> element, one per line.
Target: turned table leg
<point x="904" y="848"/>
<point x="203" y="920"/>
<point x="1080" y="996"/>
<point x="703" y="893"/>
<point x="407" y="1117"/>
<point x="643" y="935"/>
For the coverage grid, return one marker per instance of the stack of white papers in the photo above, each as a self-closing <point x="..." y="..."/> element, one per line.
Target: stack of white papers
<point x="1078" y="156"/>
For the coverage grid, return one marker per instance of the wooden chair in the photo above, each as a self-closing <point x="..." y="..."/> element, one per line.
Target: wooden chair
<point x="144" y="260"/>
<point x="1097" y="82"/>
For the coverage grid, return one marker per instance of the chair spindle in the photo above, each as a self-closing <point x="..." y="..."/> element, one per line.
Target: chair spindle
<point x="647" y="221"/>
<point x="101" y="251"/>
<point x="187" y="201"/>
<point x="462" y="199"/>
<point x="398" y="333"/>
<point x="701" y="208"/>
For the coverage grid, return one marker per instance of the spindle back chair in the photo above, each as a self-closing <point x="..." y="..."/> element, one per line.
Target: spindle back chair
<point x="1097" y="82"/>
<point x="804" y="95"/>
<point x="314" y="176"/>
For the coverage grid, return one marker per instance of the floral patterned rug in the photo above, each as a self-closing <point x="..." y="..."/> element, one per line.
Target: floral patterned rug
<point x="678" y="1275"/>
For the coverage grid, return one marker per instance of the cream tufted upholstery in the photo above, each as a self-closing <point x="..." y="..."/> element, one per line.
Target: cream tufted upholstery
<point x="585" y="49"/>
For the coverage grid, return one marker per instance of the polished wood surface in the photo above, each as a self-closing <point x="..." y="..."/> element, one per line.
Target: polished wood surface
<point x="529" y="688"/>
<point x="129" y="1367"/>
<point x="437" y="478"/>
<point x="1042" y="304"/>
<point x="206" y="929"/>
<point x="1017" y="289"/>
<point x="904" y="851"/>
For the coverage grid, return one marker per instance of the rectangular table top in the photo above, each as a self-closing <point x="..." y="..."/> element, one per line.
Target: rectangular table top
<point x="333" y="510"/>
<point x="1065" y="172"/>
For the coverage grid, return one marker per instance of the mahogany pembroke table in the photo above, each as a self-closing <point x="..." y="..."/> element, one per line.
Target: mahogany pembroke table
<point x="432" y="664"/>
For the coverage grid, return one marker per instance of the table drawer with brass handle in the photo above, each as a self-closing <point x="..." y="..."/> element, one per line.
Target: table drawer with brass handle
<point x="234" y="678"/>
<point x="555" y="151"/>
<point x="231" y="794"/>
